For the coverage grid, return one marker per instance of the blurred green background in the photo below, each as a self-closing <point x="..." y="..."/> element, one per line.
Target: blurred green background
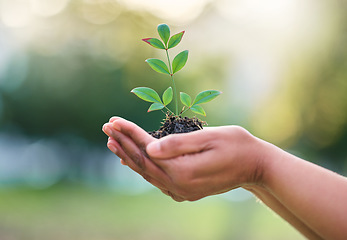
<point x="67" y="66"/>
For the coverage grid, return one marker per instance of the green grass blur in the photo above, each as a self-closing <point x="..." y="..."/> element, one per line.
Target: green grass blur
<point x="66" y="212"/>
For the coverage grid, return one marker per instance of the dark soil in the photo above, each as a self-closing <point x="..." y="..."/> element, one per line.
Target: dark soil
<point x="173" y="124"/>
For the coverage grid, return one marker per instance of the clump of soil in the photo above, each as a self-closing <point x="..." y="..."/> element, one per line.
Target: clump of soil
<point x="177" y="124"/>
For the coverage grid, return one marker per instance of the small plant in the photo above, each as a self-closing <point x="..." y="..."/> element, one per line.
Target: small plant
<point x="150" y="95"/>
<point x="170" y="94"/>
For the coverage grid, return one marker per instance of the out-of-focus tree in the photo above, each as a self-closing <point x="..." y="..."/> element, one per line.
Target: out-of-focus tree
<point x="307" y="112"/>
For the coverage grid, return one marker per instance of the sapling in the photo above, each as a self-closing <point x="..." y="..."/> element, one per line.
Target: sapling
<point x="170" y="94"/>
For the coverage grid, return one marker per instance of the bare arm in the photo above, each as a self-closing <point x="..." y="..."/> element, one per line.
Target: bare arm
<point x="207" y="162"/>
<point x="317" y="196"/>
<point x="268" y="199"/>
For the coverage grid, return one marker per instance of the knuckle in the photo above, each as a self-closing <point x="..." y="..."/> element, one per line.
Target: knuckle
<point x="175" y="197"/>
<point x="138" y="160"/>
<point x="130" y="132"/>
<point x="171" y="142"/>
<point x="234" y="132"/>
<point x="186" y="194"/>
<point x="239" y="131"/>
<point x="179" y="199"/>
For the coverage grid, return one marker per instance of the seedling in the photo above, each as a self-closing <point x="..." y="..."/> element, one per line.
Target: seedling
<point x="179" y="61"/>
<point x="170" y="94"/>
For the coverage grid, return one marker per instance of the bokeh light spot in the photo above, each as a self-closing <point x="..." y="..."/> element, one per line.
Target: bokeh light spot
<point x="16" y="13"/>
<point x="48" y="8"/>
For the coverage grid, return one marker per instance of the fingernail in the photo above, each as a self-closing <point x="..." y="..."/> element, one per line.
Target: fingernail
<point x="103" y="127"/>
<point x="112" y="119"/>
<point x="115" y="125"/>
<point x="107" y="130"/>
<point x="153" y="148"/>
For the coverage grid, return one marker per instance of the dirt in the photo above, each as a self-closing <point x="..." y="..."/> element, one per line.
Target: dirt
<point x="177" y="124"/>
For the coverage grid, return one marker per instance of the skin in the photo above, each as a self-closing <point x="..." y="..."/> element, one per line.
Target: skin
<point x="216" y="160"/>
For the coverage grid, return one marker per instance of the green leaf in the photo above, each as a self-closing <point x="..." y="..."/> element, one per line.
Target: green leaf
<point x="179" y="61"/>
<point x="167" y="96"/>
<point x="147" y="94"/>
<point x="154" y="42"/>
<point x="198" y="109"/>
<point x="175" y="40"/>
<point x="158" y="65"/>
<point x="185" y="99"/>
<point x="164" y="32"/>
<point x="155" y="106"/>
<point x="206" y="96"/>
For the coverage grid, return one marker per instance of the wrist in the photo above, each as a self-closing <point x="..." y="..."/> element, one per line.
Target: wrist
<point x="254" y="154"/>
<point x="268" y="155"/>
<point x="262" y="155"/>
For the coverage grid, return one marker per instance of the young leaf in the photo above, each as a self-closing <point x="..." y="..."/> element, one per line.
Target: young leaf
<point x="154" y="42"/>
<point x="198" y="109"/>
<point x="206" y="96"/>
<point x="167" y="96"/>
<point x="175" y="40"/>
<point x="179" y="61"/>
<point x="155" y="106"/>
<point x="185" y="99"/>
<point x="158" y="65"/>
<point x="147" y="94"/>
<point x="164" y="32"/>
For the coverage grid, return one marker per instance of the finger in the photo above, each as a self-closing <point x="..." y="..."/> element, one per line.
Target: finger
<point x="173" y="196"/>
<point x="133" y="156"/>
<point x="129" y="147"/>
<point x="117" y="149"/>
<point x="126" y="160"/>
<point x="179" y="144"/>
<point x="137" y="134"/>
<point x="107" y="129"/>
<point x="113" y="145"/>
<point x="137" y="159"/>
<point x="112" y="119"/>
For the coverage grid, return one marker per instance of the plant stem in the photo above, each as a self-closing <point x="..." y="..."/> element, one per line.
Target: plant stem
<point x="169" y="110"/>
<point x="185" y="111"/>
<point x="173" y="83"/>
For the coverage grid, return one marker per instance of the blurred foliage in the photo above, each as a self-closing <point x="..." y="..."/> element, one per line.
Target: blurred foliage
<point x="307" y="111"/>
<point x="70" y="67"/>
<point x="84" y="82"/>
<point x="67" y="66"/>
<point x="79" y="74"/>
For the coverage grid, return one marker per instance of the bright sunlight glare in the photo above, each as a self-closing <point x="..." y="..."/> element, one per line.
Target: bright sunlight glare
<point x="21" y="13"/>
<point x="178" y="12"/>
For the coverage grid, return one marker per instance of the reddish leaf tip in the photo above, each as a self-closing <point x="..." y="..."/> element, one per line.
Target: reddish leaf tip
<point x="146" y="40"/>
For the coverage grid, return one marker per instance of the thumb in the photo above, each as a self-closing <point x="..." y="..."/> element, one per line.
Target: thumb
<point x="178" y="144"/>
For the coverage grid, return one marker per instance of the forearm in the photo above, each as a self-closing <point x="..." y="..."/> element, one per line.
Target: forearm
<point x="269" y="200"/>
<point x="313" y="194"/>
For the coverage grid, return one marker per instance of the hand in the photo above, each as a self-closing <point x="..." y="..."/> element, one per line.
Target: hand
<point x="189" y="166"/>
<point x="121" y="134"/>
<point x="209" y="161"/>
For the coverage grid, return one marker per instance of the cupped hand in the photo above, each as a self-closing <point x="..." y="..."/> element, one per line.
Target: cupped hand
<point x="128" y="142"/>
<point x="189" y="166"/>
